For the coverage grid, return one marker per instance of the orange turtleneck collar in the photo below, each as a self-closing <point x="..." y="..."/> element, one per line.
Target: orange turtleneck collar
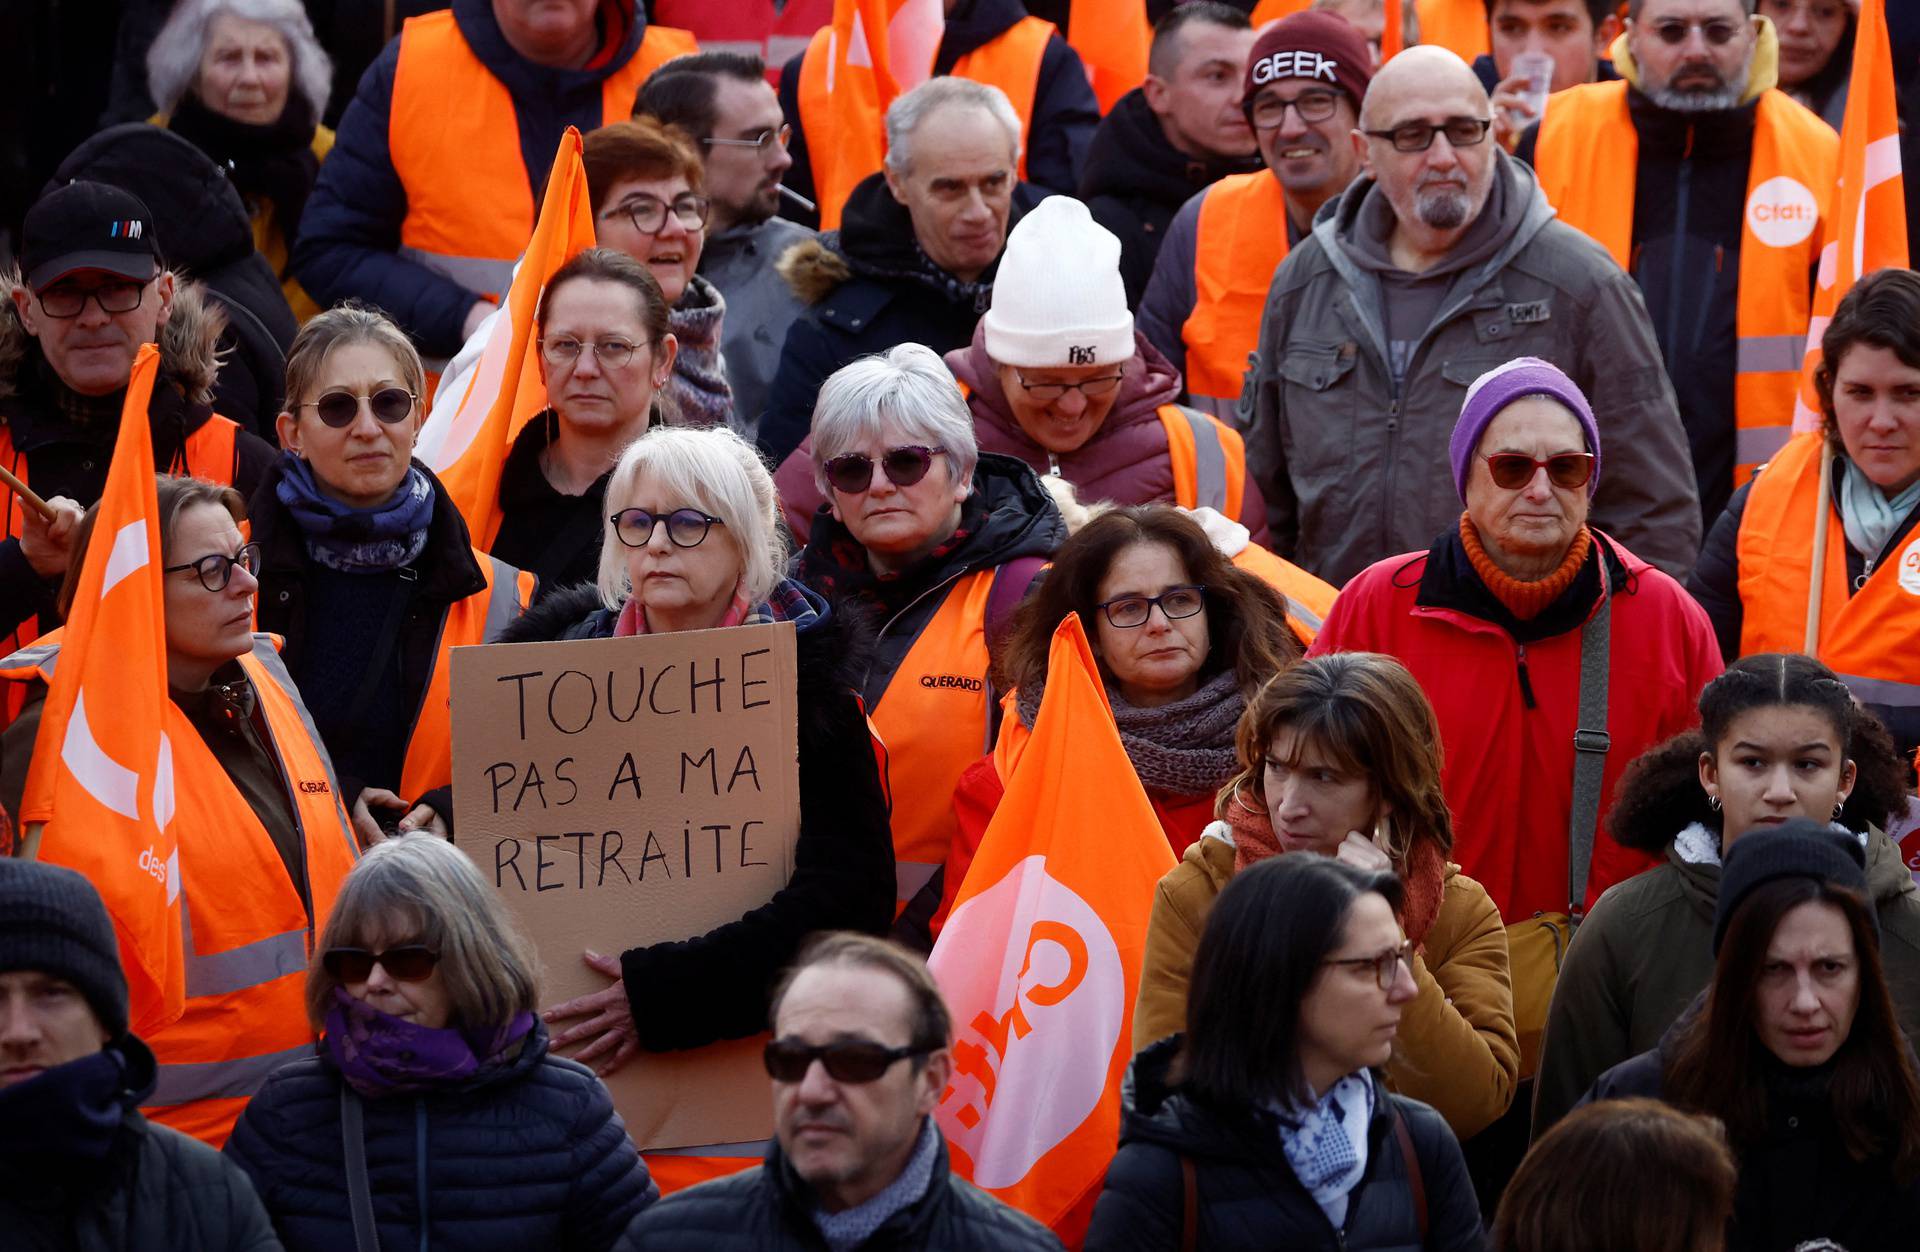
<point x="1528" y="600"/>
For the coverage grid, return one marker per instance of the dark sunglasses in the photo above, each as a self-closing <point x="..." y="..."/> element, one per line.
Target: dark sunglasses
<point x="903" y="466"/>
<point x="215" y="571"/>
<point x="1461" y="132"/>
<point x="686" y="528"/>
<point x="1718" y="33"/>
<point x="851" y="1060"/>
<point x="410" y="962"/>
<point x="339" y="408"/>
<point x="1514" y="470"/>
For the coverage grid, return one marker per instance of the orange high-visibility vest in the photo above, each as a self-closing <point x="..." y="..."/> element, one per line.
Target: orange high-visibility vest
<point x="1273" y="10"/>
<point x="209" y="453"/>
<point x="1209" y="460"/>
<point x="933" y="719"/>
<point x="1587" y="160"/>
<point x="455" y="144"/>
<point x="1309" y="600"/>
<point x="248" y="941"/>
<point x="1241" y="240"/>
<point x="1010" y="61"/>
<point x="1870" y="638"/>
<point x="1460" y="25"/>
<point x="1113" y="40"/>
<point x="479" y="618"/>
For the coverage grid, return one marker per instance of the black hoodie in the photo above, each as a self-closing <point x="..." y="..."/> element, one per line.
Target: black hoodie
<point x="1135" y="181"/>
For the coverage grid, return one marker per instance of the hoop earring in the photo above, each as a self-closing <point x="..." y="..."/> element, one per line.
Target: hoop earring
<point x="1838" y="806"/>
<point x="1713" y="802"/>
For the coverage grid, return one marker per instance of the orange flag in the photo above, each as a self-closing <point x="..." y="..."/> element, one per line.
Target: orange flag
<point x="865" y="71"/>
<point x="102" y="773"/>
<point x="1114" y="48"/>
<point x="1870" y="208"/>
<point x="1040" y="961"/>
<point x="467" y="438"/>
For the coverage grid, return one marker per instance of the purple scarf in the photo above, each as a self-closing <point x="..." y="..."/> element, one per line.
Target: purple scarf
<point x="380" y="1055"/>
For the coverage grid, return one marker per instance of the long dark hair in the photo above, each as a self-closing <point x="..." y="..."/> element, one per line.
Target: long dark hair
<point x="1659" y="794"/>
<point x="1246" y="618"/>
<point x="1264" y="943"/>
<point x="1718" y="1065"/>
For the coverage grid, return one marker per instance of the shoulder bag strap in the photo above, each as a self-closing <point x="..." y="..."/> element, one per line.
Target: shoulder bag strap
<point x="1590" y="745"/>
<point x="1190" y="1206"/>
<point x="359" y="1194"/>
<point x="1415" y="1180"/>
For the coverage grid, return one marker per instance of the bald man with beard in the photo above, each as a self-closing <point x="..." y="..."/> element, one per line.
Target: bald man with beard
<point x="1441" y="261"/>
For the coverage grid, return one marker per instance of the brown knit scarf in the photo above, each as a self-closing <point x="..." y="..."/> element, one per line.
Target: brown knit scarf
<point x="1527" y="600"/>
<point x="1424" y="876"/>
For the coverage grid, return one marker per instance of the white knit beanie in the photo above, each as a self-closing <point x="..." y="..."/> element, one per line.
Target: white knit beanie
<point x="1058" y="300"/>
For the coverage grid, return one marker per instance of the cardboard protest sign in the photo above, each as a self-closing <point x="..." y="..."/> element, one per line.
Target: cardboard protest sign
<point x="622" y="792"/>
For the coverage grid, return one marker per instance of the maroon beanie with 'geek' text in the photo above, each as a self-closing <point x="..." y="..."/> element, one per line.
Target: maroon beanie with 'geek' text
<point x="1317" y="45"/>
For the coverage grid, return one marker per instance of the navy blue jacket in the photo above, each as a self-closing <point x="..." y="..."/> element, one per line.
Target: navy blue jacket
<point x="531" y="1155"/>
<point x="350" y="232"/>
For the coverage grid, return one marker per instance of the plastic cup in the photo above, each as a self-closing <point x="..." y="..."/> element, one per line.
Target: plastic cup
<point x="1537" y="69"/>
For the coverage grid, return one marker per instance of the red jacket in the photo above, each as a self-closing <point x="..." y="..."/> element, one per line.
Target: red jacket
<point x="1508" y="770"/>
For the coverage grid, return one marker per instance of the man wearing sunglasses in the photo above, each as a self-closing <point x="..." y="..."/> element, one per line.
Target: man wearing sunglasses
<point x="859" y="1059"/>
<point x="79" y="1165"/>
<point x="1711" y="186"/>
<point x="92" y="291"/>
<point x="1440" y="263"/>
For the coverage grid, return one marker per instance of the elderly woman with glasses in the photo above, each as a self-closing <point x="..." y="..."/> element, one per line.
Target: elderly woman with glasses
<point x="263" y="840"/>
<point x="935" y="543"/>
<point x="434" y="1114"/>
<point x="606" y="357"/>
<point x="692" y="542"/>
<point x="368" y="571"/>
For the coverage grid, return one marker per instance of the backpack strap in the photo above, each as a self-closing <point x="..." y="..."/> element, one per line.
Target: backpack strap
<point x="1415" y="1179"/>
<point x="353" y="1139"/>
<point x="1590" y="746"/>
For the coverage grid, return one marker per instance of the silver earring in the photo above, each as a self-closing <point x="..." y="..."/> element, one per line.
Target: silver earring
<point x="1713" y="802"/>
<point x="1838" y="805"/>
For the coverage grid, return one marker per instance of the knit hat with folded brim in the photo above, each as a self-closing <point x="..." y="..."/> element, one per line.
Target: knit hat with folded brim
<point x="1058" y="299"/>
<point x="1801" y="848"/>
<point x="52" y="922"/>
<point x="1501" y="386"/>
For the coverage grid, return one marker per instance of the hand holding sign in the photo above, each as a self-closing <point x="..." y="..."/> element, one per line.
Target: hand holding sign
<point x="609" y="1021"/>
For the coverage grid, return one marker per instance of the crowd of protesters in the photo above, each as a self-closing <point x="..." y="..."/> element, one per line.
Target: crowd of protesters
<point x="1514" y="641"/>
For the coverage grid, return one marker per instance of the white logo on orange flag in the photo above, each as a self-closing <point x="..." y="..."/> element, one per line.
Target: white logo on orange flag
<point x="1040" y="961"/>
<point x="467" y="437"/>
<point x="101" y="782"/>
<point x="864" y="74"/>
<point x="1871" y="205"/>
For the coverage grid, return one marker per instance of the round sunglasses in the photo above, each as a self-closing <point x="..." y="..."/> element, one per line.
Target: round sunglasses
<point x="904" y="466"/>
<point x="1513" y="470"/>
<point x="338" y="408"/>
<point x="686" y="528"/>
<point x="848" y="1060"/>
<point x="410" y="962"/>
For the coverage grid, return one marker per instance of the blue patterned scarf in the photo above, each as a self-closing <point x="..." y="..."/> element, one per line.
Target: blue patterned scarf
<point x="357" y="541"/>
<point x="1327" y="1143"/>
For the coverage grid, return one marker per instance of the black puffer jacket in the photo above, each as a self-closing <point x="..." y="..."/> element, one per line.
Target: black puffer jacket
<point x="206" y="233"/>
<point x="719" y="983"/>
<point x="869" y="288"/>
<point x="530" y="1155"/>
<point x="156" y="1190"/>
<point x="1135" y="181"/>
<point x="770" y="1210"/>
<point x="1798" y="1186"/>
<point x="1248" y="1195"/>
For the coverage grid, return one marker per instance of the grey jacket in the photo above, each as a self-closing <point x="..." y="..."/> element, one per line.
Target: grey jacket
<point x="760" y="307"/>
<point x="1354" y="472"/>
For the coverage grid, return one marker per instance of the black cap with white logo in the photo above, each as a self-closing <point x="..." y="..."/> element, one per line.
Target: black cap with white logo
<point x="88" y="226"/>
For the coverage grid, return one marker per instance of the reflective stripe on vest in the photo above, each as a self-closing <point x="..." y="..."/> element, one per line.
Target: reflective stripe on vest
<point x="1241" y="238"/>
<point x="933" y="719"/>
<point x="1587" y="160"/>
<point x="470" y="206"/>
<point x="479" y="618"/>
<point x="1010" y="61"/>
<point x="1209" y="460"/>
<point x="1309" y="600"/>
<point x="246" y="935"/>
<point x="1871" y="638"/>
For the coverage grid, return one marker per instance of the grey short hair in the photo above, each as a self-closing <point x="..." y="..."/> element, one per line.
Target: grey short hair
<point x="710" y="469"/>
<point x="173" y="62"/>
<point x="420" y="888"/>
<point x="909" y="386"/>
<point x="906" y="113"/>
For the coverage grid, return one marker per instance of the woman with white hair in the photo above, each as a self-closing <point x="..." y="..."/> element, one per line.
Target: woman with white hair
<point x="937" y="543"/>
<point x="692" y="542"/>
<point x="434" y="1114"/>
<point x="246" y="82"/>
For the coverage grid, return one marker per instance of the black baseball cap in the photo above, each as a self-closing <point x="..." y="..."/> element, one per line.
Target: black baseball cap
<point x="88" y="226"/>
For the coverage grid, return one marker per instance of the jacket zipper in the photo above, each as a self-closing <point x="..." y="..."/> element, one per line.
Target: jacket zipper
<point x="1393" y="437"/>
<point x="1677" y="279"/>
<point x="1526" y="679"/>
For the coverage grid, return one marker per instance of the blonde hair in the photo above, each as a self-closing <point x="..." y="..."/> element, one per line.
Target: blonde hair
<point x="711" y="469"/>
<point x="344" y="324"/>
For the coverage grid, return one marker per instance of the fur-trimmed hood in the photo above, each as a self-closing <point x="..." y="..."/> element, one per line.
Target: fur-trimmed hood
<point x="812" y="269"/>
<point x="190" y="354"/>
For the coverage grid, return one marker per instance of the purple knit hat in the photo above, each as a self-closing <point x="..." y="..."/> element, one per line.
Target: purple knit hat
<point x="1501" y="386"/>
